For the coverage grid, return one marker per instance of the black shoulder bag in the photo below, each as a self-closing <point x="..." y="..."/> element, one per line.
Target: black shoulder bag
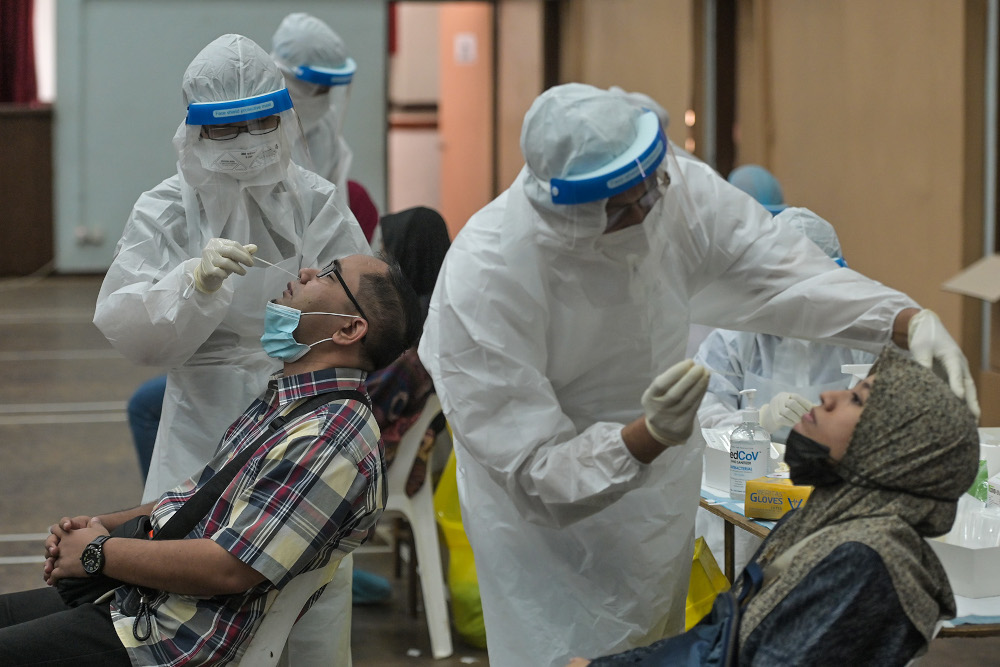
<point x="83" y="590"/>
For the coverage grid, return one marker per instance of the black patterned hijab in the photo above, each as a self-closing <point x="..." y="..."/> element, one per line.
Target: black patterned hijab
<point x="418" y="239"/>
<point x="913" y="453"/>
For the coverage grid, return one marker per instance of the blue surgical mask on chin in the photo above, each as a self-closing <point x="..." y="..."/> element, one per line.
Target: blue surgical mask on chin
<point x="280" y="323"/>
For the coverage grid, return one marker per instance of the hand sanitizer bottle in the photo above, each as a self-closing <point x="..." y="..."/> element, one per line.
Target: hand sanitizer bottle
<point x="749" y="449"/>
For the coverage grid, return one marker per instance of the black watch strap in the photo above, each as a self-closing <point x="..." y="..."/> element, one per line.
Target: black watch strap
<point x="93" y="556"/>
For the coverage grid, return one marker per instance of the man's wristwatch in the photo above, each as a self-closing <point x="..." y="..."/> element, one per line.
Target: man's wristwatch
<point x="93" y="555"/>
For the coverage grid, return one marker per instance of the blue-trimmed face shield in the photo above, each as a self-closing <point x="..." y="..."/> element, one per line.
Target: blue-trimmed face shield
<point x="626" y="210"/>
<point x="636" y="164"/>
<point x="326" y="76"/>
<point x="244" y="139"/>
<point x="234" y="111"/>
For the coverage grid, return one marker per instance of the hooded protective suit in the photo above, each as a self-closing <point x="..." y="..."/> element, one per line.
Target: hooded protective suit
<point x="148" y="307"/>
<point x="151" y="312"/>
<point x="760" y="184"/>
<point x="318" y="73"/>
<point x="542" y="335"/>
<point x="773" y="364"/>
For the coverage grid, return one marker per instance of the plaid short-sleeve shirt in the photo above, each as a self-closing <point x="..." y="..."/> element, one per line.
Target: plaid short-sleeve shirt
<point x="309" y="496"/>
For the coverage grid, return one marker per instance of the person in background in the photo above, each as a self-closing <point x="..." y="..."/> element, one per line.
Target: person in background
<point x="555" y="340"/>
<point x="889" y="460"/>
<point x="789" y="374"/>
<point x="144" y="408"/>
<point x="364" y="209"/>
<point x="760" y="184"/>
<point x="309" y="495"/>
<point x="318" y="72"/>
<point x="238" y="204"/>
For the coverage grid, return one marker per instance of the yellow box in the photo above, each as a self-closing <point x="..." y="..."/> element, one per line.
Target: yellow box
<point x="770" y="497"/>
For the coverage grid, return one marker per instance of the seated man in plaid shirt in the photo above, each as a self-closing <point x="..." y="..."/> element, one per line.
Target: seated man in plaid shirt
<point x="309" y="495"/>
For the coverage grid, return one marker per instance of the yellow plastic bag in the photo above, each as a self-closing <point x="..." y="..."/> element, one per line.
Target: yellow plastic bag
<point x="707" y="581"/>
<point x="466" y="607"/>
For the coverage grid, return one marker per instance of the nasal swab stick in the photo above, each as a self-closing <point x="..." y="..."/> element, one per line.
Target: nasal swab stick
<point x="264" y="261"/>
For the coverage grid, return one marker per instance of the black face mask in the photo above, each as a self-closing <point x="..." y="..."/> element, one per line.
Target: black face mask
<point x="809" y="462"/>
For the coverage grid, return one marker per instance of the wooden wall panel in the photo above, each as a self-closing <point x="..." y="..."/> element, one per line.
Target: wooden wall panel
<point x="25" y="189"/>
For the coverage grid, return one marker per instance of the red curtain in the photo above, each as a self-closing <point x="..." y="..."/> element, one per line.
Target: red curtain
<point x="392" y="28"/>
<point x="17" y="52"/>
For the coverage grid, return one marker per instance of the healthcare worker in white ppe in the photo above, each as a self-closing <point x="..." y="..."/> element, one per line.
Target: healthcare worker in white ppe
<point x="555" y="340"/>
<point x="171" y="297"/>
<point x="789" y="374"/>
<point x="318" y="72"/>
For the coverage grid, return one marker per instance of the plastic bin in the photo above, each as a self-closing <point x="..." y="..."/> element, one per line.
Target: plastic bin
<point x="707" y="581"/>
<point x="466" y="607"/>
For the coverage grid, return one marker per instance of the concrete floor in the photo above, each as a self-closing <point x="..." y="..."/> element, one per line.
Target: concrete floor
<point x="66" y="449"/>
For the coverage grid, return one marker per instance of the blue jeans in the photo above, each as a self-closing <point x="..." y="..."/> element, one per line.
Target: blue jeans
<point x="144" y="408"/>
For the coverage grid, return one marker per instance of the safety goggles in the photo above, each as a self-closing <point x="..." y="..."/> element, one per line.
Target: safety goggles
<point x="334" y="269"/>
<point x="252" y="127"/>
<point x="655" y="189"/>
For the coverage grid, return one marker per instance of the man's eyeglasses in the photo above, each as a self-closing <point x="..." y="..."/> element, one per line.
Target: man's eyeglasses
<point x="334" y="268"/>
<point x="255" y="128"/>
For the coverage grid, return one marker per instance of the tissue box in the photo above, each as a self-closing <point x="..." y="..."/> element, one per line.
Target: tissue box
<point x="971" y="571"/>
<point x="772" y="496"/>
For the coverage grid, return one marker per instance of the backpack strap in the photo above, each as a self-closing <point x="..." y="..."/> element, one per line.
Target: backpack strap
<point x="190" y="514"/>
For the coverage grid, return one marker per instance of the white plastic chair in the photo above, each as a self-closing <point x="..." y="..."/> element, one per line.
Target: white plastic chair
<point x="265" y="649"/>
<point x="419" y="513"/>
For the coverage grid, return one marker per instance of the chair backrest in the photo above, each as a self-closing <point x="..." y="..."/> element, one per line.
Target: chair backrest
<point x="409" y="445"/>
<point x="419" y="512"/>
<point x="267" y="644"/>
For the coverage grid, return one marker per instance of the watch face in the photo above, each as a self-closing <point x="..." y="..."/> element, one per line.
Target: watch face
<point x="93" y="558"/>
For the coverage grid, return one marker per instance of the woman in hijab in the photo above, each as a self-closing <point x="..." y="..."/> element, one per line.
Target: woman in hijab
<point x="889" y="460"/>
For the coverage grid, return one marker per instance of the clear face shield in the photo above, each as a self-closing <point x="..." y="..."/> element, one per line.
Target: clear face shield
<point x="320" y="91"/>
<point x="232" y="153"/>
<point x="249" y="140"/>
<point x="632" y="209"/>
<point x="672" y="224"/>
<point x="621" y="200"/>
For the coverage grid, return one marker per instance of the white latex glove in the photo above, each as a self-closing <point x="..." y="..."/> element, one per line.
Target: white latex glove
<point x="219" y="259"/>
<point x="929" y="341"/>
<point x="671" y="402"/>
<point x="785" y="409"/>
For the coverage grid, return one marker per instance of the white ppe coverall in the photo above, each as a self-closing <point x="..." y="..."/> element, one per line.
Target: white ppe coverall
<point x="148" y="306"/>
<point x="302" y="39"/>
<point x="543" y="334"/>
